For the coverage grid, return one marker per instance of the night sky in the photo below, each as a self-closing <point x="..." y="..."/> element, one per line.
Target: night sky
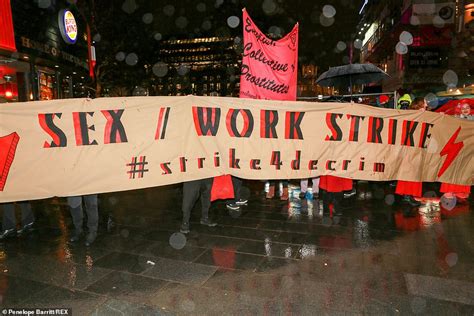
<point x="326" y="27"/>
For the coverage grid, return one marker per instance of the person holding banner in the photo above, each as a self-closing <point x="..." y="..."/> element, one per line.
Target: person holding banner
<point x="304" y="187"/>
<point x="410" y="189"/>
<point x="332" y="192"/>
<point x="192" y="191"/>
<point x="9" y="219"/>
<point x="77" y="214"/>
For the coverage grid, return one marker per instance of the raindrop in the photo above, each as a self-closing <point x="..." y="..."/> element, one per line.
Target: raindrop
<point x="430" y="194"/>
<point x="406" y="38"/>
<point x="432" y="146"/>
<point x="329" y="11"/>
<point x="275" y="30"/>
<point x="379" y="193"/>
<point x="389" y="199"/>
<point x="432" y="100"/>
<point x="358" y="44"/>
<point x="401" y="48"/>
<point x="414" y="20"/>
<point x="237" y="40"/>
<point x="131" y="59"/>
<point x="201" y="7"/>
<point x="183" y="70"/>
<point x="451" y="259"/>
<point x="187" y="305"/>
<point x="158" y="36"/>
<point x="168" y="10"/>
<point x="113" y="200"/>
<point x="124" y="233"/>
<point x="120" y="56"/>
<point x="314" y="18"/>
<point x="233" y="21"/>
<point x="326" y="21"/>
<point x="418" y="305"/>
<point x="218" y="3"/>
<point x="44" y="4"/>
<point x="129" y="6"/>
<point x="181" y="22"/>
<point x="438" y="21"/>
<point x="177" y="241"/>
<point x="326" y="221"/>
<point x="450" y="78"/>
<point x="139" y="91"/>
<point x="341" y="46"/>
<point x="269" y="7"/>
<point x="160" y="69"/>
<point x="448" y="201"/>
<point x="147" y="18"/>
<point x="206" y="25"/>
<point x="97" y="38"/>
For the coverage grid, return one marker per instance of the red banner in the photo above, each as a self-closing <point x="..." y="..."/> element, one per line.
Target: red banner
<point x="7" y="36"/>
<point x="269" y="68"/>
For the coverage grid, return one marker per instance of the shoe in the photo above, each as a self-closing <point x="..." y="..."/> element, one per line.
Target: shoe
<point x="90" y="238"/>
<point x="76" y="236"/>
<point x="408" y="199"/>
<point x="208" y="223"/>
<point x="7" y="233"/>
<point x="302" y="195"/>
<point x="271" y="192"/>
<point x="350" y="193"/>
<point x="284" y="194"/>
<point x="184" y="228"/>
<point x="241" y="202"/>
<point x="25" y="229"/>
<point x="233" y="206"/>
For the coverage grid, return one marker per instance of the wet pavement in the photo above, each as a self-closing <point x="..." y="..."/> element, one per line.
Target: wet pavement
<point x="271" y="258"/>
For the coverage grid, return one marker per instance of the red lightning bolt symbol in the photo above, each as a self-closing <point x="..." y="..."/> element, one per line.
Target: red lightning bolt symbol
<point x="451" y="150"/>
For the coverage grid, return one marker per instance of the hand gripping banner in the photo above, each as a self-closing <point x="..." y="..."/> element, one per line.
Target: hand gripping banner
<point x="269" y="68"/>
<point x="77" y="146"/>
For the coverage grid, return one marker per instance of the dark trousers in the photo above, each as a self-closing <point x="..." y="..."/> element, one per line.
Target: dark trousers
<point x="237" y="184"/>
<point x="77" y="213"/>
<point x="273" y="183"/>
<point x="191" y="192"/>
<point x="331" y="197"/>
<point x="9" y="218"/>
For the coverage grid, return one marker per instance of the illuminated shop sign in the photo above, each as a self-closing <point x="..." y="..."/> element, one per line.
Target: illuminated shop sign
<point x="68" y="26"/>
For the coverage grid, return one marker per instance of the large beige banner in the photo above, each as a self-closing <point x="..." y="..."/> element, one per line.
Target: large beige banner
<point x="78" y="146"/>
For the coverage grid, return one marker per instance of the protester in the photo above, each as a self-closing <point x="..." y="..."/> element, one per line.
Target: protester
<point x="271" y="190"/>
<point x="404" y="101"/>
<point x="192" y="190"/>
<point x="77" y="213"/>
<point x="332" y="192"/>
<point x="304" y="187"/>
<point x="410" y="189"/>
<point x="9" y="219"/>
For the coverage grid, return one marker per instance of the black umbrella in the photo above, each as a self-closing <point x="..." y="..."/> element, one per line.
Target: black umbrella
<point x="351" y="74"/>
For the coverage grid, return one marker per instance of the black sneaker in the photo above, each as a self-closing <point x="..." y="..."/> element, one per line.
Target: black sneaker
<point x="241" y="202"/>
<point x="76" y="236"/>
<point x="184" y="228"/>
<point x="408" y="199"/>
<point x="208" y="222"/>
<point x="302" y="195"/>
<point x="90" y="238"/>
<point x="25" y="229"/>
<point x="233" y="206"/>
<point x="7" y="233"/>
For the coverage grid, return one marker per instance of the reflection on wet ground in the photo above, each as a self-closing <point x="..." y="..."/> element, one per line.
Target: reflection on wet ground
<point x="271" y="257"/>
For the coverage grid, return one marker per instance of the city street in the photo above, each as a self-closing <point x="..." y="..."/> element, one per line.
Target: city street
<point x="271" y="258"/>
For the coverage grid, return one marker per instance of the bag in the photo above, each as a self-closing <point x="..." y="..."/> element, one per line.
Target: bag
<point x="222" y="188"/>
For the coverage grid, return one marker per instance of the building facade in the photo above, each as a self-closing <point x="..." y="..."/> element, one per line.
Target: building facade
<point x="415" y="42"/>
<point x="43" y="51"/>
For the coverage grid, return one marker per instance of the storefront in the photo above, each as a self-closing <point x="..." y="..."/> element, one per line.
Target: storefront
<point x="43" y="51"/>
